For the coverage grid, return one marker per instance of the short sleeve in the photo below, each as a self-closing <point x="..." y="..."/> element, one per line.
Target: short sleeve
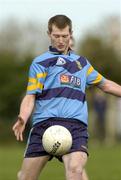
<point x="93" y="76"/>
<point x="37" y="75"/>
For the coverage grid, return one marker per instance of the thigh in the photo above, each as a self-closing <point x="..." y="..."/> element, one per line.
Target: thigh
<point x="31" y="167"/>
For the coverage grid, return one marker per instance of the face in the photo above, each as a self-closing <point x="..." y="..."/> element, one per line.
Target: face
<point x="60" y="38"/>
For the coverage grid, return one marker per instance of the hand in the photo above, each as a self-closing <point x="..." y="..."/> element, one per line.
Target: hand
<point x="18" y="128"/>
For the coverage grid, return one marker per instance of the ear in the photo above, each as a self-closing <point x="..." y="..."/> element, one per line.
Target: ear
<point x="71" y="33"/>
<point x="48" y="33"/>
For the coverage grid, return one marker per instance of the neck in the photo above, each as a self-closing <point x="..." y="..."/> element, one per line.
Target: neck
<point x="54" y="50"/>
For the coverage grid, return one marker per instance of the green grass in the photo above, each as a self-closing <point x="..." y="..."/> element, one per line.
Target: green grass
<point x="104" y="163"/>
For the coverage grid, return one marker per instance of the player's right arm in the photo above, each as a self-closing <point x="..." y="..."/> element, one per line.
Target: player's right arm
<point x="26" y="109"/>
<point x="37" y="75"/>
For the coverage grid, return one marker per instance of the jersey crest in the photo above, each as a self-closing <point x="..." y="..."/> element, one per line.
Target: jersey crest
<point x="60" y="61"/>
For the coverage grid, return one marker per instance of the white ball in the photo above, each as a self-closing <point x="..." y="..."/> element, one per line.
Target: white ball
<point x="57" y="140"/>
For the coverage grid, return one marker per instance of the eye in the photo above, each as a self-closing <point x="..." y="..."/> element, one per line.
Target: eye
<point x="65" y="36"/>
<point x="56" y="36"/>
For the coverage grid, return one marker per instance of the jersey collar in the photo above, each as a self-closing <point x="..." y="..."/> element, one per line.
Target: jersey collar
<point x="56" y="52"/>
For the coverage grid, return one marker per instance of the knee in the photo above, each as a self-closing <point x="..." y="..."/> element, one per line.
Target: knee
<point x="75" y="170"/>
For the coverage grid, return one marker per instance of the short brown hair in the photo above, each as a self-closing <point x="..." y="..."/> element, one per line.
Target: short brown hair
<point x="61" y="21"/>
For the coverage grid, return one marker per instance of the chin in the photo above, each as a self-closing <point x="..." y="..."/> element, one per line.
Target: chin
<point x="61" y="50"/>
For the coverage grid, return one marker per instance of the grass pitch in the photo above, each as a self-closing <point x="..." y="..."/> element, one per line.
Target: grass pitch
<point x="104" y="163"/>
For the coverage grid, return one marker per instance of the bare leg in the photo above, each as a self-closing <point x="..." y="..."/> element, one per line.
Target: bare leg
<point x="74" y="164"/>
<point x="84" y="175"/>
<point x="32" y="167"/>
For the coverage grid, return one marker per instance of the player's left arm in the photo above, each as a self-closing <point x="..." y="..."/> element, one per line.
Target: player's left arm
<point x="110" y="87"/>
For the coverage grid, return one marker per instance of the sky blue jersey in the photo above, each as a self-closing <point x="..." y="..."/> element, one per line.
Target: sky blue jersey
<point x="59" y="82"/>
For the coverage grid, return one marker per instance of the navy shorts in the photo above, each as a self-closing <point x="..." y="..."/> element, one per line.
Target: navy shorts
<point x="77" y="128"/>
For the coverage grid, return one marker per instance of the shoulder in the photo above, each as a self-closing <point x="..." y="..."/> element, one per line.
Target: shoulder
<point x="78" y="57"/>
<point x="42" y="57"/>
<point x="81" y="59"/>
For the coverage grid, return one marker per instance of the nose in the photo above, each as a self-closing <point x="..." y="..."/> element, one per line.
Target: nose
<point x="60" y="40"/>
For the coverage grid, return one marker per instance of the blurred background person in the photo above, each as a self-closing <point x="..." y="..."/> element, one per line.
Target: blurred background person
<point x="100" y="109"/>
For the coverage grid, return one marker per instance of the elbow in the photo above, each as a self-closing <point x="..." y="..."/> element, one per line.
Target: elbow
<point x="105" y="87"/>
